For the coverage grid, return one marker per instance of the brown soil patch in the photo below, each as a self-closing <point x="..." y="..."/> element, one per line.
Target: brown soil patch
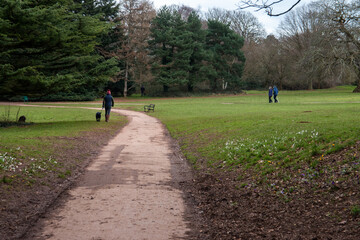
<point x="317" y="209"/>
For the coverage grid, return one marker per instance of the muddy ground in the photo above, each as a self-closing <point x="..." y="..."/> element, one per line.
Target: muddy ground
<point x="319" y="208"/>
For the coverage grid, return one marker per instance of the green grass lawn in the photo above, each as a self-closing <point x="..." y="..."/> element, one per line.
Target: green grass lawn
<point x="226" y="132"/>
<point x="247" y="130"/>
<point x="304" y="149"/>
<point x="244" y="129"/>
<point x="285" y="140"/>
<point x="27" y="150"/>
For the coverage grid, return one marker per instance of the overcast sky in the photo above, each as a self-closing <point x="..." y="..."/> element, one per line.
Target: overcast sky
<point x="270" y="23"/>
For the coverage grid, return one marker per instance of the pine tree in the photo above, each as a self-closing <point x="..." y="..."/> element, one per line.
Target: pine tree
<point x="197" y="71"/>
<point x="106" y="10"/>
<point x="170" y="46"/>
<point x="46" y="48"/>
<point x="226" y="60"/>
<point x="181" y="50"/>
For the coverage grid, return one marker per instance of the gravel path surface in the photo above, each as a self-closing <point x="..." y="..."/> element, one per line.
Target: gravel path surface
<point x="126" y="193"/>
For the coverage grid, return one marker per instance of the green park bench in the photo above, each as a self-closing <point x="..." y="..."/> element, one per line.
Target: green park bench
<point x="26" y="99"/>
<point x="149" y="107"/>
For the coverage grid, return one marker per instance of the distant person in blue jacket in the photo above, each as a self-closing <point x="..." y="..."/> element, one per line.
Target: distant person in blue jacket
<point x="108" y="102"/>
<point x="270" y="94"/>
<point x="276" y="92"/>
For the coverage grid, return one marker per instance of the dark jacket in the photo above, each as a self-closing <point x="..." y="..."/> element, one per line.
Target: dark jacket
<point x="270" y="92"/>
<point x="108" y="101"/>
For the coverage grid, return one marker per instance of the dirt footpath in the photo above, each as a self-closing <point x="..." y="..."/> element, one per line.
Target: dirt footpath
<point x="126" y="193"/>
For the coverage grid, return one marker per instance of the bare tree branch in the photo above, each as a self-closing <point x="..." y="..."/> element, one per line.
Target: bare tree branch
<point x="266" y="6"/>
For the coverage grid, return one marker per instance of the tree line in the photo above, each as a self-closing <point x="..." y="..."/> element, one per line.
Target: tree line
<point x="318" y="47"/>
<point x="74" y="49"/>
<point x="48" y="48"/>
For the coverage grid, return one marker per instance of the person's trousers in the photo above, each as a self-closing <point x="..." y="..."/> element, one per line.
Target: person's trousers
<point x="107" y="110"/>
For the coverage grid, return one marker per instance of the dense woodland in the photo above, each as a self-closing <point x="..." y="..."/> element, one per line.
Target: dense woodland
<point x="75" y="49"/>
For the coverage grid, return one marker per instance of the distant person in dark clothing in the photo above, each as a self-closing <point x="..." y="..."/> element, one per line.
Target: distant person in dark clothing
<point x="108" y="102"/>
<point x="142" y="90"/>
<point x="270" y="94"/>
<point x="276" y="92"/>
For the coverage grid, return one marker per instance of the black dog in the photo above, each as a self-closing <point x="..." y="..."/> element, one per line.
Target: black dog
<point x="22" y="119"/>
<point x="98" y="116"/>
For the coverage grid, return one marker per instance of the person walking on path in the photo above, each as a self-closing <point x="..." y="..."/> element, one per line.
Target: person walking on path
<point x="108" y="102"/>
<point x="276" y="92"/>
<point x="142" y="90"/>
<point x="270" y="94"/>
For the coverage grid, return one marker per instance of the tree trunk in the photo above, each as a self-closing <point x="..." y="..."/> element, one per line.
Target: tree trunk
<point x="280" y="83"/>
<point x="166" y="88"/>
<point x="310" y="87"/>
<point x="357" y="89"/>
<point x="190" y="87"/>
<point x="224" y="85"/>
<point x="213" y="85"/>
<point x="126" y="79"/>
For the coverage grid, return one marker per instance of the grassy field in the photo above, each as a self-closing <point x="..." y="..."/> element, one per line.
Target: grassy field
<point x="301" y="154"/>
<point x="245" y="129"/>
<point x="260" y="166"/>
<point x="230" y="131"/>
<point x="28" y="151"/>
<point x="269" y="142"/>
<point x="223" y="132"/>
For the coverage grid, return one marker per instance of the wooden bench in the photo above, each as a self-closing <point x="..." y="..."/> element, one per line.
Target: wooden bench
<point x="149" y="107"/>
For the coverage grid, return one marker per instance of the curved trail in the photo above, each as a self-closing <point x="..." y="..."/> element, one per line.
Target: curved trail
<point x="125" y="193"/>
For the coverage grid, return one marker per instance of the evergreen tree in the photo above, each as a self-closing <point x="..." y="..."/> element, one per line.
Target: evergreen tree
<point x="181" y="50"/>
<point x="226" y="60"/>
<point x="46" y="48"/>
<point x="170" y="46"/>
<point x="197" y="69"/>
<point x="105" y="9"/>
